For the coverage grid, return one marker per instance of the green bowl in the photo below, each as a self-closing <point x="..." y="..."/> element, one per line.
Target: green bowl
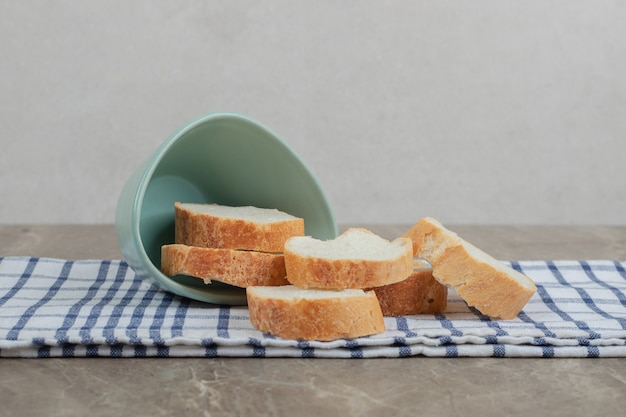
<point x="221" y="158"/>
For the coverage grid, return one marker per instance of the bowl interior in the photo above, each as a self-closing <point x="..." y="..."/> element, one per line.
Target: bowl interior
<point x="230" y="160"/>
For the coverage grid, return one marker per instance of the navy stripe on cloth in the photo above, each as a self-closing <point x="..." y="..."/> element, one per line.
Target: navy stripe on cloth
<point x="258" y="350"/>
<point x="222" y="322"/>
<point x="447" y="324"/>
<point x="499" y="351"/>
<point x="403" y="325"/>
<point x="137" y="318"/>
<point x="96" y="310"/>
<point x="210" y="347"/>
<point x="452" y="351"/>
<point x="72" y="314"/>
<point x="619" y="295"/>
<point x="524" y="317"/>
<point x="158" y="319"/>
<point x="307" y="350"/>
<point x="118" y="310"/>
<point x="179" y="317"/>
<point x="28" y="314"/>
<point x="28" y="271"/>
<point x="619" y="268"/>
<point x="404" y="351"/>
<point x="548" y="300"/>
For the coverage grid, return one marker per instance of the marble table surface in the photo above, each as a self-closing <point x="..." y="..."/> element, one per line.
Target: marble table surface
<point x="284" y="387"/>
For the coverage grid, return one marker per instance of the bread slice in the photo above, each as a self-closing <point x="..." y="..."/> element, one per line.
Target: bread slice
<point x="294" y="313"/>
<point x="234" y="267"/>
<point x="490" y="286"/>
<point x="357" y="258"/>
<point x="246" y="227"/>
<point x="420" y="293"/>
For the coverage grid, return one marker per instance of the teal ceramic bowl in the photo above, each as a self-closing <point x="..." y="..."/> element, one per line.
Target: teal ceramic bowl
<point x="221" y="158"/>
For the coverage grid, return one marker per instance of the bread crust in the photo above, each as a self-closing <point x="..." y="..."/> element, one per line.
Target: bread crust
<point x="317" y="272"/>
<point x="234" y="267"/>
<point x="316" y="319"/>
<point x="209" y="231"/>
<point x="420" y="293"/>
<point x="491" y="287"/>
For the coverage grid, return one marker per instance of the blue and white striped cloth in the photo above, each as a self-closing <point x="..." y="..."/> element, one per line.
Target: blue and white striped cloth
<point x="60" y="308"/>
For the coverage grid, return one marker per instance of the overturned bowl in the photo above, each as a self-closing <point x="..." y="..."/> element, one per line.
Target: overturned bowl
<point x="222" y="158"/>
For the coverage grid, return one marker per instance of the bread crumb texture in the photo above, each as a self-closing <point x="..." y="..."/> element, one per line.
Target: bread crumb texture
<point x="420" y="293"/>
<point x="233" y="267"/>
<point x="293" y="313"/>
<point x="485" y="283"/>
<point x="356" y="259"/>
<point x="246" y="228"/>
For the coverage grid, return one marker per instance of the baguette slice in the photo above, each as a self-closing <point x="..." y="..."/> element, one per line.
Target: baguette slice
<point x="293" y="313"/>
<point x="491" y="287"/>
<point x="246" y="227"/>
<point x="420" y="293"/>
<point x="234" y="267"/>
<point x="357" y="258"/>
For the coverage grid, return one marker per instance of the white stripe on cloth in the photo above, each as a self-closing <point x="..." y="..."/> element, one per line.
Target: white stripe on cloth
<point x="59" y="308"/>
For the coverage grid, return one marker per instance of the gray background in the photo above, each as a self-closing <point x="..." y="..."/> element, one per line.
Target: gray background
<point x="481" y="112"/>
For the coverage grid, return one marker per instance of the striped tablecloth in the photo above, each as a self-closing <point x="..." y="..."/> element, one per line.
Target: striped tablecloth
<point x="60" y="308"/>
